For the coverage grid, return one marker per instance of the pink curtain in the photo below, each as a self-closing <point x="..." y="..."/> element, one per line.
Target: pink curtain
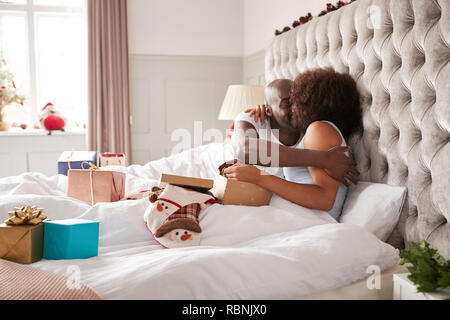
<point x="109" y="106"/>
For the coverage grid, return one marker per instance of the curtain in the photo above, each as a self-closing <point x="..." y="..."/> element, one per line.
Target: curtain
<point x="109" y="106"/>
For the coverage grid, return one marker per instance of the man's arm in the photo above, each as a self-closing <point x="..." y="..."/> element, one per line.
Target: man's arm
<point x="321" y="194"/>
<point x="250" y="149"/>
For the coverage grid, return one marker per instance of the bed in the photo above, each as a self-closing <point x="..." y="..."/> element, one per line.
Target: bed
<point x="281" y="251"/>
<point x="398" y="52"/>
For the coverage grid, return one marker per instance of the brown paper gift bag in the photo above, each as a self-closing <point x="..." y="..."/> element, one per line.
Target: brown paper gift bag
<point x="94" y="186"/>
<point x="22" y="244"/>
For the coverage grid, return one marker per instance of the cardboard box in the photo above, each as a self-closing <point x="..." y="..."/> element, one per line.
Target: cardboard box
<point x="108" y="186"/>
<point x="198" y="184"/>
<point x="232" y="192"/>
<point x="71" y="239"/>
<point x="76" y="159"/>
<point x="112" y="159"/>
<point x="21" y="244"/>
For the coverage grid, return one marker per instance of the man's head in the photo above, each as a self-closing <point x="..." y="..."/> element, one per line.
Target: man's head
<point x="277" y="95"/>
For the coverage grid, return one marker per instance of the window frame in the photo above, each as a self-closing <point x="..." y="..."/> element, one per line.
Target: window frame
<point x="31" y="9"/>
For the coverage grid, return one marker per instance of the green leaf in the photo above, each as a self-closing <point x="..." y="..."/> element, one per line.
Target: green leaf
<point x="429" y="270"/>
<point x="440" y="260"/>
<point x="444" y="278"/>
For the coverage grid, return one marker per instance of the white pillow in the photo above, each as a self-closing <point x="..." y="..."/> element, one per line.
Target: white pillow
<point x="375" y="207"/>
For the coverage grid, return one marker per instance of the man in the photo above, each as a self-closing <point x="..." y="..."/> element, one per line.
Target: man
<point x="271" y="143"/>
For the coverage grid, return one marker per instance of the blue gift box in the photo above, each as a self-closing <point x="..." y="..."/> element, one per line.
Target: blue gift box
<point x="70" y="239"/>
<point x="76" y="159"/>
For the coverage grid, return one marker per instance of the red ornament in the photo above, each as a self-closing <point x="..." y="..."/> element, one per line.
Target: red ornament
<point x="53" y="123"/>
<point x="51" y="120"/>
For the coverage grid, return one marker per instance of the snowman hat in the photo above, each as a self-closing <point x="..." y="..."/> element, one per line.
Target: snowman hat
<point x="46" y="106"/>
<point x="181" y="223"/>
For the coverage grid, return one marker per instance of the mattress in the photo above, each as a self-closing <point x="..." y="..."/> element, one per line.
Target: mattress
<point x="280" y="251"/>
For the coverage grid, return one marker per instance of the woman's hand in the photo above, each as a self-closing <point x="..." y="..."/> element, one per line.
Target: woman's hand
<point x="244" y="173"/>
<point x="258" y="113"/>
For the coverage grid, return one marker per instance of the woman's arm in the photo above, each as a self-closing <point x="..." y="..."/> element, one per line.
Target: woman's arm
<point x="320" y="195"/>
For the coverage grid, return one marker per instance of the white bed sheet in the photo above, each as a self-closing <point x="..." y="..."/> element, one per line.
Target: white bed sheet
<point x="281" y="251"/>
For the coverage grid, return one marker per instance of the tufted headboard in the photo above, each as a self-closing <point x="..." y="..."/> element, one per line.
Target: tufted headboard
<point x="398" y="52"/>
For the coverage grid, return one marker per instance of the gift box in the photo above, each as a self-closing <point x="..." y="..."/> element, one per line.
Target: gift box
<point x="94" y="186"/>
<point x="112" y="159"/>
<point x="198" y="184"/>
<point x="74" y="160"/>
<point x="71" y="239"/>
<point x="21" y="243"/>
<point x="232" y="192"/>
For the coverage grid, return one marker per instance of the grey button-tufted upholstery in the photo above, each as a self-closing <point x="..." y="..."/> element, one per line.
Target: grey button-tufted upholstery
<point x="398" y="52"/>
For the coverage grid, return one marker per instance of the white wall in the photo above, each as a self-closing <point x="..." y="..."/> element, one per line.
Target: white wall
<point x="211" y="27"/>
<point x="263" y="17"/>
<point x="35" y="152"/>
<point x="183" y="56"/>
<point x="186" y="27"/>
<point x="172" y="93"/>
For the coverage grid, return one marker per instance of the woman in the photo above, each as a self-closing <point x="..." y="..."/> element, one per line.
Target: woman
<point x="326" y="110"/>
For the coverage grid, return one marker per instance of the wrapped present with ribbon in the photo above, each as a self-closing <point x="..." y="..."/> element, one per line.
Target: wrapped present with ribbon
<point x="74" y="160"/>
<point x="22" y="235"/>
<point x="93" y="185"/>
<point x="112" y="159"/>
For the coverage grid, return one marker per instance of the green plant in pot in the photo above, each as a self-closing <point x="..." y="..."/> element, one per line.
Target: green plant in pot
<point x="430" y="272"/>
<point x="9" y="94"/>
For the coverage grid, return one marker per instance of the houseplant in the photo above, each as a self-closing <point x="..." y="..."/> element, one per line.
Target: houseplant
<point x="429" y="271"/>
<point x="9" y="94"/>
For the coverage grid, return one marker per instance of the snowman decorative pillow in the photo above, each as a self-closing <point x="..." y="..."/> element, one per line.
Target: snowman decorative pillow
<point x="173" y="216"/>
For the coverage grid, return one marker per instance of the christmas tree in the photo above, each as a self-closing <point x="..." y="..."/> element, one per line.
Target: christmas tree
<point x="9" y="94"/>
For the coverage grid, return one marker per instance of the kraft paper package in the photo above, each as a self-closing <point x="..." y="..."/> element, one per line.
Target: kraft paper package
<point x="227" y="192"/>
<point x="21" y="244"/>
<point x="95" y="186"/>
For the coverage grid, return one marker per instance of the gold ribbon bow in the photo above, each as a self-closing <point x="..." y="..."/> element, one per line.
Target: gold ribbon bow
<point x="92" y="168"/>
<point x="26" y="216"/>
<point x="68" y="159"/>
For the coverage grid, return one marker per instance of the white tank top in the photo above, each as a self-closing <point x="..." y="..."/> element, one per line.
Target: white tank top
<point x="302" y="175"/>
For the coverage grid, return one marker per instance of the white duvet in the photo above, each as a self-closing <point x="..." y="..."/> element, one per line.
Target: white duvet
<point x="281" y="251"/>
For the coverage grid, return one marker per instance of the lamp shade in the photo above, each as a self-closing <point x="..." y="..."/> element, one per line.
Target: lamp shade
<point x="240" y="98"/>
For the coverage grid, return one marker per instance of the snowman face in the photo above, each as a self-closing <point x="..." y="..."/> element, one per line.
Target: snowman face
<point x="182" y="237"/>
<point x="165" y="208"/>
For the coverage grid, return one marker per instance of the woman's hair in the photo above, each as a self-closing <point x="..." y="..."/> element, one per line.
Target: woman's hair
<point x="326" y="95"/>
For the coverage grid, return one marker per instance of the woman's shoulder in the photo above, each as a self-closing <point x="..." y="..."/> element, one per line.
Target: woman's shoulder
<point x="322" y="134"/>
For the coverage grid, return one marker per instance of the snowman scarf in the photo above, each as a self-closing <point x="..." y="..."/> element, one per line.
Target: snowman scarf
<point x="173" y="216"/>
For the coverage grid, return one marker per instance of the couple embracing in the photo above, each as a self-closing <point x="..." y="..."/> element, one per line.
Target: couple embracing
<point x="296" y="145"/>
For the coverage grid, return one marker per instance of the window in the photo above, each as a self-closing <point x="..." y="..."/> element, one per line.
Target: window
<point x="44" y="43"/>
